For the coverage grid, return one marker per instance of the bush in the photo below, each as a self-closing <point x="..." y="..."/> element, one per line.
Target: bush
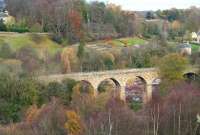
<point x="136" y="106"/>
<point x="47" y="120"/>
<point x="57" y="39"/>
<point x="15" y="28"/>
<point x="63" y="90"/>
<point x="68" y="85"/>
<point x="3" y="27"/>
<point x="172" y="68"/>
<point x="16" y="94"/>
<point x="29" y="58"/>
<point x="54" y="89"/>
<point x="109" y="60"/>
<point x="36" y="28"/>
<point x="11" y="66"/>
<point x="6" y="51"/>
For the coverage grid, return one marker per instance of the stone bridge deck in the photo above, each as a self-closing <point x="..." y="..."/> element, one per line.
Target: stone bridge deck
<point x="103" y="74"/>
<point x="119" y="77"/>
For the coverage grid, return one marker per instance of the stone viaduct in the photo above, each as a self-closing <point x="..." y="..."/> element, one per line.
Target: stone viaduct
<point x="119" y="77"/>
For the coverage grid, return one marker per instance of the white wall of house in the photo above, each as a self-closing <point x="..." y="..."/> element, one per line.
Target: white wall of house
<point x="194" y="35"/>
<point x="198" y="39"/>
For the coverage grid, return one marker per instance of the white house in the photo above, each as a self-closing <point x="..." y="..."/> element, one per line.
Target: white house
<point x="6" y="18"/>
<point x="194" y="36"/>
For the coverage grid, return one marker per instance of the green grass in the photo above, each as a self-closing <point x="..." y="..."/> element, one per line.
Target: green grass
<point x="17" y="41"/>
<point x="116" y="43"/>
<point x="195" y="48"/>
<point x="133" y="41"/>
<point x="42" y="42"/>
<point x="127" y="41"/>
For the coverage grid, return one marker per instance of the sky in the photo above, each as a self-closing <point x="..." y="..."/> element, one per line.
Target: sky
<point x="141" y="5"/>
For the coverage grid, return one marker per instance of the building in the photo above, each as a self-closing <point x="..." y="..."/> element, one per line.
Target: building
<point x="4" y="16"/>
<point x="194" y="36"/>
<point x="198" y="37"/>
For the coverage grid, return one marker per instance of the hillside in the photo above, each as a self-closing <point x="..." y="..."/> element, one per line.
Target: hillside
<point x="43" y="41"/>
<point x="40" y="42"/>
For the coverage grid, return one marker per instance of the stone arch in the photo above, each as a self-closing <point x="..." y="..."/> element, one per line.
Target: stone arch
<point x="142" y="78"/>
<point x="109" y="81"/>
<point x="117" y="84"/>
<point x="135" y="89"/>
<point x="86" y="86"/>
<point x="191" y="76"/>
<point x="134" y="78"/>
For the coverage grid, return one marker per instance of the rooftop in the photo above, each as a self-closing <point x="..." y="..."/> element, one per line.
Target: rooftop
<point x="185" y="45"/>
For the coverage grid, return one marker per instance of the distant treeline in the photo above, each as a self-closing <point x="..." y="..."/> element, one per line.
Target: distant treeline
<point x="76" y="20"/>
<point x="73" y="19"/>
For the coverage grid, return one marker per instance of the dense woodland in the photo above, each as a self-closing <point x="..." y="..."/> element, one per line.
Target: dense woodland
<point x="70" y="108"/>
<point x="76" y="20"/>
<point x="44" y="45"/>
<point x="73" y="19"/>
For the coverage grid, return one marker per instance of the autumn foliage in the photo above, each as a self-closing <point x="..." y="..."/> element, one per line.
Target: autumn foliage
<point x="74" y="125"/>
<point x="75" y="20"/>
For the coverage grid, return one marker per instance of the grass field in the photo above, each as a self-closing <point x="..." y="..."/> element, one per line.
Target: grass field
<point x="195" y="47"/>
<point x="127" y="41"/>
<point x="40" y="42"/>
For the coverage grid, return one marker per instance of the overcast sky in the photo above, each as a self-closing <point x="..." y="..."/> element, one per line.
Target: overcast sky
<point x="141" y="5"/>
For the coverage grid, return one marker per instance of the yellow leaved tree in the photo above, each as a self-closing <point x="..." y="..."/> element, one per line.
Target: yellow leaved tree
<point x="74" y="126"/>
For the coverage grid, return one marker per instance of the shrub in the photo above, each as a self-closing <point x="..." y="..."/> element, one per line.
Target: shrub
<point x="57" y="39"/>
<point x="15" y="28"/>
<point x="63" y="91"/>
<point x="16" y="94"/>
<point x="106" y="86"/>
<point x="68" y="85"/>
<point x="109" y="60"/>
<point x="29" y="58"/>
<point x="36" y="28"/>
<point x="54" y="89"/>
<point x="6" y="51"/>
<point x="172" y="66"/>
<point x="11" y="66"/>
<point x="136" y="106"/>
<point x="74" y="124"/>
<point x="47" y="120"/>
<point x="3" y="27"/>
